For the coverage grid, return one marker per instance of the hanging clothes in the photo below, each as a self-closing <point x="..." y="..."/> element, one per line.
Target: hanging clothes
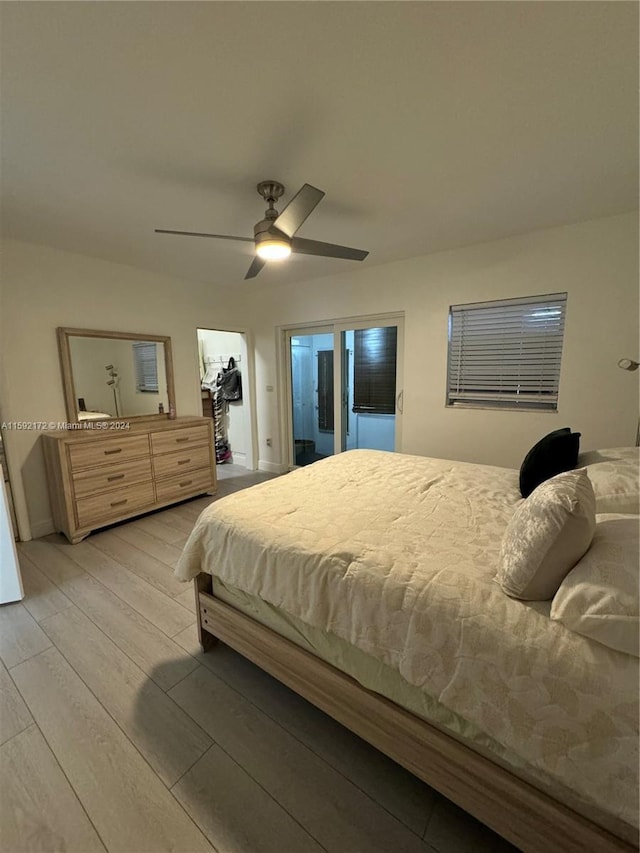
<point x="229" y="382"/>
<point x="225" y="387"/>
<point x="223" y="450"/>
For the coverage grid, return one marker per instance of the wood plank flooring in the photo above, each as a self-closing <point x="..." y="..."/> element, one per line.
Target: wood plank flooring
<point x="117" y="734"/>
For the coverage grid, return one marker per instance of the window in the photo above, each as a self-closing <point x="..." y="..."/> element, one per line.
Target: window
<point x="145" y="361"/>
<point x="374" y="376"/>
<point x="506" y="354"/>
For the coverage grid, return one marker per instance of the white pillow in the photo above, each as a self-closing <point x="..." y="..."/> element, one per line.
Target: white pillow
<point x="615" y="475"/>
<point x="546" y="537"/>
<point x="599" y="596"/>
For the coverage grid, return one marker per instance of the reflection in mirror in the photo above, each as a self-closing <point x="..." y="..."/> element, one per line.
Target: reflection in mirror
<point x="115" y="375"/>
<point x="117" y="379"/>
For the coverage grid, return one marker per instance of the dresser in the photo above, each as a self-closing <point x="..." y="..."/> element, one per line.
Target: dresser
<point x="207" y="404"/>
<point x="98" y="476"/>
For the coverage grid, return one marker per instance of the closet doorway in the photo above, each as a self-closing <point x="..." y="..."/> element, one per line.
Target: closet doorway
<point x="218" y="349"/>
<point x="344" y="387"/>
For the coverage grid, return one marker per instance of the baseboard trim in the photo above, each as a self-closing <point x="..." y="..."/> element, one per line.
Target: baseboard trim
<point x="272" y="467"/>
<point x="42" y="528"/>
<point x="238" y="457"/>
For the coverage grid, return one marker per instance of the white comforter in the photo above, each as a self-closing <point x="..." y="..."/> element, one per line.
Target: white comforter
<point x="396" y="554"/>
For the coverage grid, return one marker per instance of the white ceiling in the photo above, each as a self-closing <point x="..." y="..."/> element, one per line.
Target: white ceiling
<point x="428" y="125"/>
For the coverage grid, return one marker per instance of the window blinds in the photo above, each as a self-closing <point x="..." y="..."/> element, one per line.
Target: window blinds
<point x="374" y="378"/>
<point x="146" y="365"/>
<point x="325" y="390"/>
<point x="506" y="353"/>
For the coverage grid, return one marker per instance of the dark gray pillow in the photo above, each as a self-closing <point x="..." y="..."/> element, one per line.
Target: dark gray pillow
<point x="553" y="454"/>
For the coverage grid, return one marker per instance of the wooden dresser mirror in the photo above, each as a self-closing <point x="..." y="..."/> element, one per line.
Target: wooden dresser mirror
<point x="116" y="375"/>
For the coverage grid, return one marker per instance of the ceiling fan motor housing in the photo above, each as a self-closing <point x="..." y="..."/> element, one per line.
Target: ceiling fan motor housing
<point x="265" y="230"/>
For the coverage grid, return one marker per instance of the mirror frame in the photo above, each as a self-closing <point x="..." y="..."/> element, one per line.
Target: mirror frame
<point x="64" y="333"/>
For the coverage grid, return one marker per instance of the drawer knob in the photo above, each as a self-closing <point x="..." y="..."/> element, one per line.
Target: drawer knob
<point x="183" y="461"/>
<point x="110" y="452"/>
<point x="184" y="438"/>
<point x="185" y="483"/>
<point x="115" y="477"/>
<point x="119" y="503"/>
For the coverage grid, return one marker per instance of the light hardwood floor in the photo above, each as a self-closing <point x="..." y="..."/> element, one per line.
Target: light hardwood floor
<point x="117" y="734"/>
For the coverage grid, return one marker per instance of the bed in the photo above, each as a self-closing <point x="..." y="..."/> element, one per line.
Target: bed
<point x="365" y="582"/>
<point x="93" y="416"/>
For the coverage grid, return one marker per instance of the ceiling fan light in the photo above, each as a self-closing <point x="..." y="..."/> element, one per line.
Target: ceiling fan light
<point x="273" y="249"/>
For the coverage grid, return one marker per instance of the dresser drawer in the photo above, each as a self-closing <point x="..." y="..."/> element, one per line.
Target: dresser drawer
<point x="90" y="453"/>
<point x="93" y="480"/>
<point x="189" y="459"/>
<point x="183" y="486"/>
<point x="98" y="509"/>
<point x="177" y="439"/>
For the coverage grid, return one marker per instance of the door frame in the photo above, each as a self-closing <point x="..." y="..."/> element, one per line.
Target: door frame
<point x="335" y="327"/>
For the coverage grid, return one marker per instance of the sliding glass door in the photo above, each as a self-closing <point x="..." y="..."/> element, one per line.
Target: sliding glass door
<point x="344" y="388"/>
<point x="311" y="395"/>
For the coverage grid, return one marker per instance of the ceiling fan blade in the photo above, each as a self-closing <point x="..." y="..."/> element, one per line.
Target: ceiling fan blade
<point x="256" y="266"/>
<point x="327" y="250"/>
<point x="300" y="206"/>
<point x="201" y="234"/>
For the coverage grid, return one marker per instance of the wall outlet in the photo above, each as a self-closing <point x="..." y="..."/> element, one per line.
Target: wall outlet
<point x="269" y="442"/>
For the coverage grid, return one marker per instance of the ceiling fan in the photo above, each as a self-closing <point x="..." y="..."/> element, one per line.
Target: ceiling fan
<point x="274" y="236"/>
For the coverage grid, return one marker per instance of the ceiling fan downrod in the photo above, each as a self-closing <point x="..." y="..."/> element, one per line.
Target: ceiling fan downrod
<point x="270" y="191"/>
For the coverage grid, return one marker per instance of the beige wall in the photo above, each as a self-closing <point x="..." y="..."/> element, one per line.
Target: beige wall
<point x="44" y="288"/>
<point x="595" y="262"/>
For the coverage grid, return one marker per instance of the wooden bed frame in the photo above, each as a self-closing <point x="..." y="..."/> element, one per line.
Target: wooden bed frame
<point x="525" y="816"/>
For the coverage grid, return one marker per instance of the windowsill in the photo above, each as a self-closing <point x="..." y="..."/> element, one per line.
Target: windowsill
<point x="505" y="408"/>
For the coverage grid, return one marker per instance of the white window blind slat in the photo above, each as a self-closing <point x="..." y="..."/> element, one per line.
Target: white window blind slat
<point x="535" y="318"/>
<point x="548" y="301"/>
<point x="506" y="353"/>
